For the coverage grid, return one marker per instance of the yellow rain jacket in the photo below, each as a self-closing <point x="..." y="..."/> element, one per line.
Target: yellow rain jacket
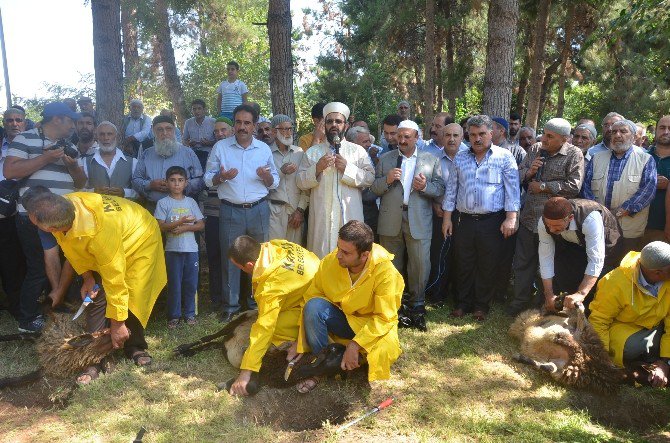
<point x="121" y="241"/>
<point x="370" y="304"/>
<point x="282" y="274"/>
<point x="622" y="307"/>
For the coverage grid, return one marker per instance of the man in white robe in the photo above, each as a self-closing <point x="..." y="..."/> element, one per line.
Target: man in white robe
<point x="336" y="172"/>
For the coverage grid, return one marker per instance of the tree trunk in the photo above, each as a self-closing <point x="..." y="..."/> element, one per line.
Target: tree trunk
<point x="547" y="84"/>
<point x="429" y="63"/>
<point x="529" y="39"/>
<point x="537" y="65"/>
<point x="131" y="57"/>
<point x="172" y="81"/>
<point x="503" y="16"/>
<point x="107" y="60"/>
<point x="565" y="57"/>
<point x="281" y="61"/>
<point x="449" y="62"/>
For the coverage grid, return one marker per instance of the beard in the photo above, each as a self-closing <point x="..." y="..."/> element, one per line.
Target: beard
<point x="286" y="141"/>
<point x="620" y="147"/>
<point x="166" y="148"/>
<point x="85" y="136"/>
<point x="107" y="149"/>
<point x="663" y="140"/>
<point x="330" y="135"/>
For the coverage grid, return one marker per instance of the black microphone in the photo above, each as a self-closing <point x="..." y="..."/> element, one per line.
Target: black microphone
<point x="398" y="164"/>
<point x="540" y="170"/>
<point x="336" y="144"/>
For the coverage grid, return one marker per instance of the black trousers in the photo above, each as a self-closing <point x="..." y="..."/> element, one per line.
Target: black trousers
<point x="445" y="285"/>
<point x="12" y="263"/>
<point x="479" y="246"/>
<point x="36" y="279"/>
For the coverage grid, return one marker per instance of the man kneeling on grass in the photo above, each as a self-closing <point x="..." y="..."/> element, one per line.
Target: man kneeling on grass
<point x="280" y="272"/>
<point x="354" y="298"/>
<point x="119" y="240"/>
<point x="631" y="313"/>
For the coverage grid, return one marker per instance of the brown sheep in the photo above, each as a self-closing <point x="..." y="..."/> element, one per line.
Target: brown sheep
<point x="568" y="348"/>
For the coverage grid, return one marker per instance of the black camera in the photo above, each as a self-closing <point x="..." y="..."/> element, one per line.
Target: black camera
<point x="67" y="148"/>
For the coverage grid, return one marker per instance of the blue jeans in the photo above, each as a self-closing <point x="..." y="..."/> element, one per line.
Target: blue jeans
<point x="321" y="317"/>
<point x="182" y="269"/>
<point x="254" y="222"/>
<point x="213" y="258"/>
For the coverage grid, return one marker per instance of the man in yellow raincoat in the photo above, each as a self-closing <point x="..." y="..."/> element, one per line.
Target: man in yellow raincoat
<point x="631" y="311"/>
<point x="119" y="240"/>
<point x="281" y="272"/>
<point x="355" y="297"/>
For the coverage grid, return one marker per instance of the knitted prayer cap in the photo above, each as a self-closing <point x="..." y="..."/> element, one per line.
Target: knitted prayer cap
<point x="279" y="119"/>
<point x="589" y="127"/>
<point x="557" y="208"/>
<point x="162" y="119"/>
<point x="656" y="255"/>
<point x="225" y="120"/>
<point x="409" y="124"/>
<point x="558" y="125"/>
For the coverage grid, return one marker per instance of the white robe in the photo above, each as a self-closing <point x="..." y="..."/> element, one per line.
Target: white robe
<point x="335" y="198"/>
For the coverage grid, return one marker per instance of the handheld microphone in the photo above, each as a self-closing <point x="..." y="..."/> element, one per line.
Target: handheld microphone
<point x="336" y="144"/>
<point x="543" y="156"/>
<point x="398" y="164"/>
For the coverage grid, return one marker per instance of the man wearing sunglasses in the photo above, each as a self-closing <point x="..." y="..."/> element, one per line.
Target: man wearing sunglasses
<point x="579" y="241"/>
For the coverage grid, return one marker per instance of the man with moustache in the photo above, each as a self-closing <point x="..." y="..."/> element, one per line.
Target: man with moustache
<point x="12" y="262"/>
<point x="407" y="193"/>
<point x="390" y="132"/>
<point x="109" y="170"/>
<point x="199" y="131"/>
<point x="451" y="137"/>
<point x="514" y="124"/>
<point x="243" y="171"/>
<point x="584" y="137"/>
<point x="660" y="152"/>
<point x="552" y="168"/>
<point x="604" y="145"/>
<point x="623" y="179"/>
<point x="439" y="121"/>
<point x="136" y="129"/>
<point x="485" y="189"/>
<point x="335" y="173"/>
<point x="526" y="137"/>
<point x="265" y="133"/>
<point x="85" y="128"/>
<point x="287" y="202"/>
<point x="149" y="176"/>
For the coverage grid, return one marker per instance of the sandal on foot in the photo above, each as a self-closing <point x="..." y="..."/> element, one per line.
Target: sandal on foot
<point x="307" y="385"/>
<point x="191" y="321"/>
<point x="172" y="324"/>
<point x="141" y="358"/>
<point x="88" y="375"/>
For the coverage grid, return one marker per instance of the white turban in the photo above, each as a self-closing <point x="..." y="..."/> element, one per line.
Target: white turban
<point x="336" y="107"/>
<point x="409" y="124"/>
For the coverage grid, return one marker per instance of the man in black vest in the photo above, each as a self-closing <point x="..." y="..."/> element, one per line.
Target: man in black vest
<point x="580" y="241"/>
<point x="109" y="170"/>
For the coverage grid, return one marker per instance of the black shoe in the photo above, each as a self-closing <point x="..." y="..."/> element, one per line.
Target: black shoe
<point x="226" y="317"/>
<point x="419" y="322"/>
<point x="404" y="321"/>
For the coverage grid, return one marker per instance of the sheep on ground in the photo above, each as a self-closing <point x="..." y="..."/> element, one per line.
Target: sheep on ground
<point x="568" y="348"/>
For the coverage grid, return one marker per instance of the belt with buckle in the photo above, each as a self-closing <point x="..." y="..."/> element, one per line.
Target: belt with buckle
<point x="278" y="202"/>
<point x="481" y="216"/>
<point x="242" y="205"/>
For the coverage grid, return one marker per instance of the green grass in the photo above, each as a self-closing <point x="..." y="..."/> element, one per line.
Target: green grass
<point x="454" y="383"/>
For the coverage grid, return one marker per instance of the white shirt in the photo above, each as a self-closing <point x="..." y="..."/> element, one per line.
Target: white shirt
<point x="594" y="236"/>
<point x="127" y="192"/>
<point x="5" y="145"/>
<point x="408" y="166"/>
<point x="247" y="186"/>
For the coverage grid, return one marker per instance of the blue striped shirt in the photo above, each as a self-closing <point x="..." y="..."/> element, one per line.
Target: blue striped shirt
<point x="490" y="186"/>
<point x="644" y="195"/>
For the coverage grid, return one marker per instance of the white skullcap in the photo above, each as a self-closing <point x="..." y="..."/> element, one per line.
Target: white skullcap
<point x="656" y="255"/>
<point x="336" y="107"/>
<point x="409" y="124"/>
<point x="558" y="125"/>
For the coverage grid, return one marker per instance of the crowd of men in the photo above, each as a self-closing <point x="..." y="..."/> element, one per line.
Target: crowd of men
<point x="481" y="212"/>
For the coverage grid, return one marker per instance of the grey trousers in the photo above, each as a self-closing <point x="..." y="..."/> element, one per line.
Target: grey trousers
<point x="418" y="262"/>
<point x="644" y="345"/>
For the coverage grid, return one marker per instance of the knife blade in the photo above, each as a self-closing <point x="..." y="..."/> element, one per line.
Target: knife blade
<point x="86" y="302"/>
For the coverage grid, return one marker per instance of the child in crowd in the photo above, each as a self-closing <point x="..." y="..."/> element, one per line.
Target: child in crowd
<point x="232" y="92"/>
<point x="179" y="216"/>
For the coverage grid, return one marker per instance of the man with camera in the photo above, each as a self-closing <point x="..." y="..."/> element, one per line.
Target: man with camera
<point x="41" y="156"/>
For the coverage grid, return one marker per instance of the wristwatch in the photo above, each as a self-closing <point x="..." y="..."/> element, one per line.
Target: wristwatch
<point x="543" y="186"/>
